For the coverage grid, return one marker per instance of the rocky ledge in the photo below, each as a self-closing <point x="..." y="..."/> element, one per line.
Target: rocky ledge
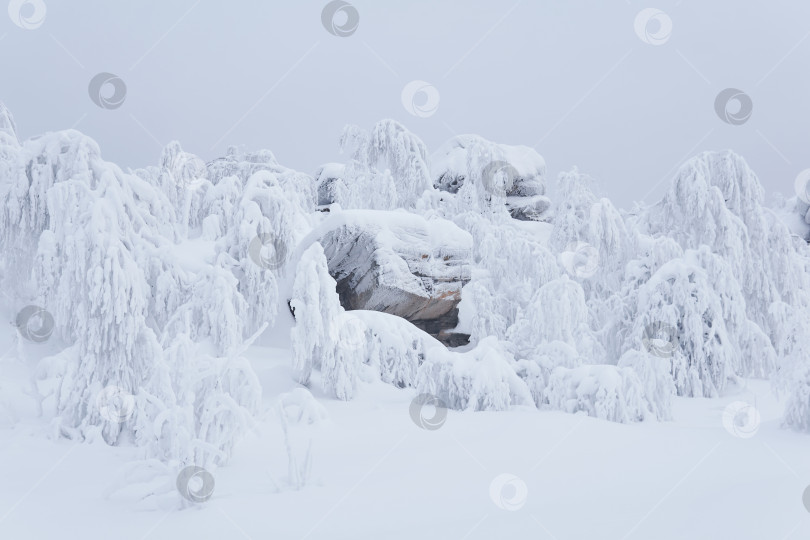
<point x="402" y="264"/>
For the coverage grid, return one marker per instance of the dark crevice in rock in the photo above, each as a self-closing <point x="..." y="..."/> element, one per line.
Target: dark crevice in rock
<point x="401" y="271"/>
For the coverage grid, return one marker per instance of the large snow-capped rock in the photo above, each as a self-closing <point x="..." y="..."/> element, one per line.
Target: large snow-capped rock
<point x="399" y="263"/>
<point x="470" y="157"/>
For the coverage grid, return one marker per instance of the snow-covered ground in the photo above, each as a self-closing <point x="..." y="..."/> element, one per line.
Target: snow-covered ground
<point x="376" y="474"/>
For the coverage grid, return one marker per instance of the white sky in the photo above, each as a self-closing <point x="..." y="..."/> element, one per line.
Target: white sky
<point x="572" y="78"/>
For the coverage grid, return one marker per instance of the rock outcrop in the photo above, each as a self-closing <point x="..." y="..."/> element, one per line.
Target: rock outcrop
<point x="329" y="179"/>
<point x="472" y="158"/>
<point x="402" y="264"/>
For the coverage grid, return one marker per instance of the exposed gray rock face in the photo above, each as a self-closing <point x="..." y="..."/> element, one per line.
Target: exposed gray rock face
<point x="402" y="264"/>
<point x="529" y="208"/>
<point x="328" y="179"/>
<point x="467" y="157"/>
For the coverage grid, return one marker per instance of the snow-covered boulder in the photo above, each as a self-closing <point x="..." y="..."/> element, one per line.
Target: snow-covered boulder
<point x="399" y="263"/>
<point x="517" y="171"/>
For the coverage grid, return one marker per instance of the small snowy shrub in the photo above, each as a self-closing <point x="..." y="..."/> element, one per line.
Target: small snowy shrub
<point x="482" y="379"/>
<point x="605" y="392"/>
<point x="301" y="417"/>
<point x="656" y="381"/>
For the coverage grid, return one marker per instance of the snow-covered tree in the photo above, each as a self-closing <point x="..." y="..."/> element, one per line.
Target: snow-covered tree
<point x="323" y="337"/>
<point x="392" y="347"/>
<point x="717" y="200"/>
<point x="150" y="342"/>
<point x="555" y="313"/>
<point x="656" y="381"/>
<point x="160" y="278"/>
<point x="510" y="265"/>
<point x="679" y="300"/>
<point x="480" y="380"/>
<point x="387" y="168"/>
<point x="606" y="392"/>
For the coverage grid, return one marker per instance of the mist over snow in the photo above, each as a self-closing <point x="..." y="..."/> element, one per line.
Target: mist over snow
<point x="411" y="338"/>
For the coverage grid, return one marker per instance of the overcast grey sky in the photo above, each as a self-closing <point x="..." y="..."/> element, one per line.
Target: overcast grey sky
<point x="572" y="78"/>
